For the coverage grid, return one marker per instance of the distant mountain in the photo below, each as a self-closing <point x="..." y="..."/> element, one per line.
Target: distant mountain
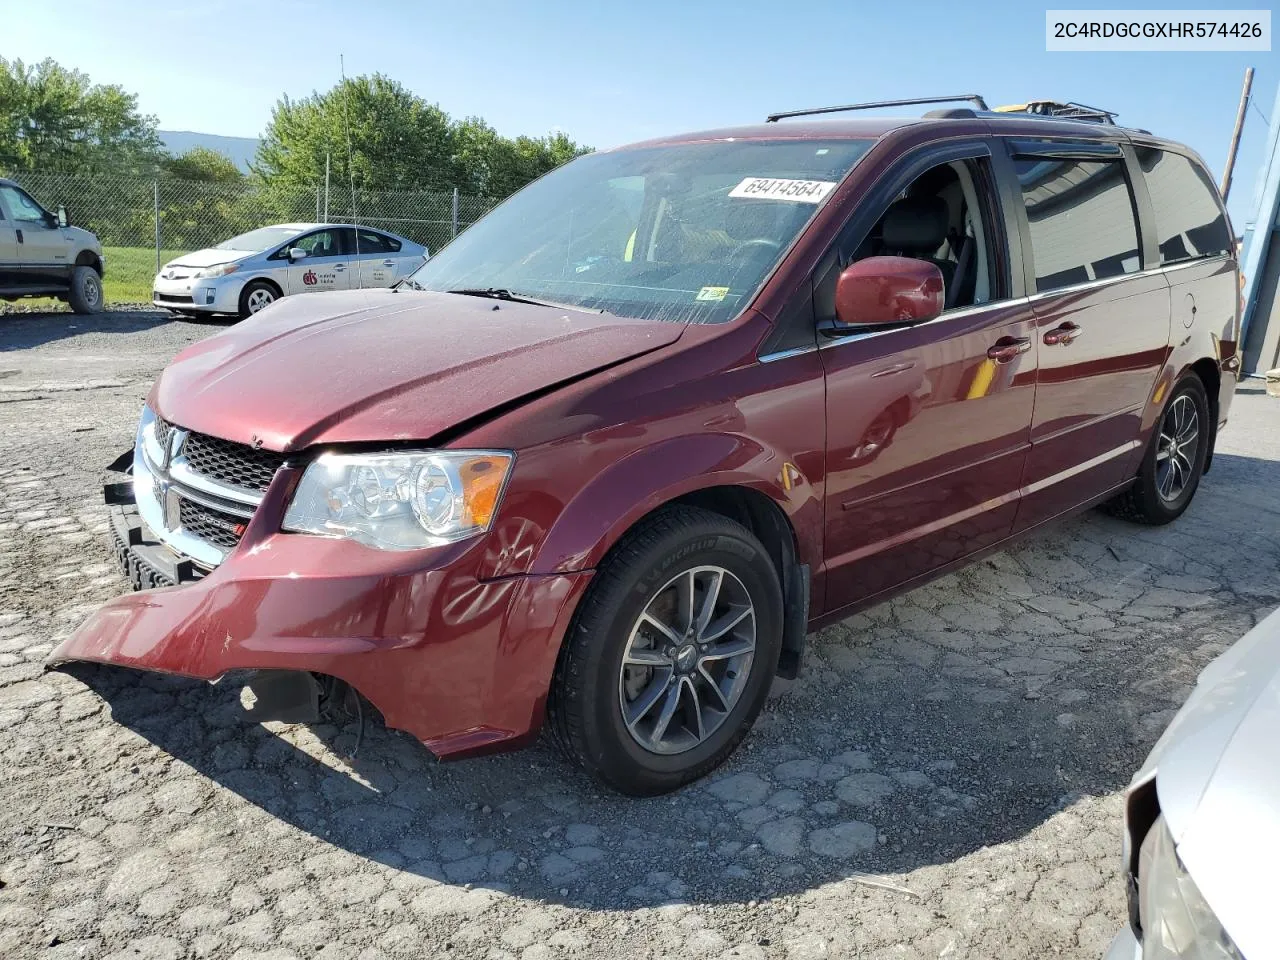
<point x="240" y="149"/>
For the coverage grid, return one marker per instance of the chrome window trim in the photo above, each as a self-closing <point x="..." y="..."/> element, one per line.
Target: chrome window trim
<point x="950" y="315"/>
<point x="1086" y="285"/>
<point x="1196" y="262"/>
<point x="1108" y="281"/>
<point x="1021" y="301"/>
<point x="785" y="354"/>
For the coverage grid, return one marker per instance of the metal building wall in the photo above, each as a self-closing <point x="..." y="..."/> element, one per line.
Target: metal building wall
<point x="1261" y="264"/>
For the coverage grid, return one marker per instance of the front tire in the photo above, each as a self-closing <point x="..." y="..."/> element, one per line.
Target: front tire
<point x="1174" y="462"/>
<point x="85" y="293"/>
<point x="257" y="296"/>
<point x="671" y="654"/>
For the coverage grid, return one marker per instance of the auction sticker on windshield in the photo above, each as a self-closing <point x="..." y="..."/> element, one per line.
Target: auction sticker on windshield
<point x="771" y="188"/>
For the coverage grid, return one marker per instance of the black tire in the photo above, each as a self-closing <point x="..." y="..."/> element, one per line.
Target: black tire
<point x="253" y="293"/>
<point x="1144" y="502"/>
<point x="85" y="292"/>
<point x="584" y="709"/>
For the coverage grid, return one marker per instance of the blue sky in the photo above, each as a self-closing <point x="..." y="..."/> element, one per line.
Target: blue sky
<point x="608" y="73"/>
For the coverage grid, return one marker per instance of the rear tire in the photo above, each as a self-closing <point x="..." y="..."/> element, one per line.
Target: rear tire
<point x="85" y="293"/>
<point x="709" y="680"/>
<point x="1174" y="462"/>
<point x="256" y="296"/>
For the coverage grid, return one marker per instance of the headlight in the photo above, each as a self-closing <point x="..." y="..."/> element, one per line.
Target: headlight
<point x="400" y="501"/>
<point x="217" y="270"/>
<point x="1177" y="924"/>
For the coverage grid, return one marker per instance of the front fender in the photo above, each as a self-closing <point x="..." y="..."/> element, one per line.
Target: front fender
<point x="611" y="503"/>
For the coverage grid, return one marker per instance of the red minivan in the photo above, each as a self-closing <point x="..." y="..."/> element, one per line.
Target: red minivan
<point x="606" y="459"/>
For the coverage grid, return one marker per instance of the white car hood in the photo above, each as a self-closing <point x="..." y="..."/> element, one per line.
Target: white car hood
<point x="1217" y="771"/>
<point x="208" y="257"/>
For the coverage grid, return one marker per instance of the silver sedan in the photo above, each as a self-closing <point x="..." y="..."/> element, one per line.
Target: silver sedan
<point x="1202" y="817"/>
<point x="246" y="273"/>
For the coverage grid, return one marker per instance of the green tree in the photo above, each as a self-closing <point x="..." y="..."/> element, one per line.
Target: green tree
<point x="397" y="138"/>
<point x="398" y="141"/>
<point x="54" y="120"/>
<point x="203" y="165"/>
<point x="487" y="164"/>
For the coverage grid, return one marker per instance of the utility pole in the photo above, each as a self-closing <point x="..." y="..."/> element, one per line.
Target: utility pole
<point x="1235" y="134"/>
<point x="325" y="218"/>
<point x="155" y="197"/>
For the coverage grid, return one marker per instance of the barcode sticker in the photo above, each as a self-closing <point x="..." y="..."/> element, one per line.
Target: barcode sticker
<point x="772" y="188"/>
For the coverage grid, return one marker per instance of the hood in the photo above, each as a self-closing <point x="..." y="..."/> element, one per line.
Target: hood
<point x="385" y="365"/>
<point x="1218" y="781"/>
<point x="208" y="257"/>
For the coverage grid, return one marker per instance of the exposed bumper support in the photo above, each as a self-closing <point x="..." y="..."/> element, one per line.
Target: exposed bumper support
<point x="461" y="663"/>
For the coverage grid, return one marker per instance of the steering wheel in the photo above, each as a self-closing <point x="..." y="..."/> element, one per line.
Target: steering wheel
<point x="742" y="249"/>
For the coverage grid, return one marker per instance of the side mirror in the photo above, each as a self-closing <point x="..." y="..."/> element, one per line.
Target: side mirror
<point x="63" y="220"/>
<point x="881" y="290"/>
<point x="297" y="253"/>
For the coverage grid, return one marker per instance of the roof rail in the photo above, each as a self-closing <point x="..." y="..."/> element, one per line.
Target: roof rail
<point x="971" y="97"/>
<point x="1061" y="111"/>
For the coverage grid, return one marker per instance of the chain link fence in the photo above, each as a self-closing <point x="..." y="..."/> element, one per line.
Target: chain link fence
<point x="144" y="222"/>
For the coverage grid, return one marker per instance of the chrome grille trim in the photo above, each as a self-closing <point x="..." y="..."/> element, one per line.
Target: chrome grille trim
<point x="162" y="471"/>
<point x="181" y="473"/>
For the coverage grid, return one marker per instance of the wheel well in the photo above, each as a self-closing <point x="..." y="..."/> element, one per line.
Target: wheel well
<point x="87" y="258"/>
<point x="268" y="282"/>
<point x="756" y="512"/>
<point x="1211" y="377"/>
<point x="771" y="526"/>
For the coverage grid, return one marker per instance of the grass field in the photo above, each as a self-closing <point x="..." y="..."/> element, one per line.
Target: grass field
<point x="130" y="271"/>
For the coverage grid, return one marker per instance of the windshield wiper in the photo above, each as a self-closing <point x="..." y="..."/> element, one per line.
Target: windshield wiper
<point x="410" y="282"/>
<point x="502" y="293"/>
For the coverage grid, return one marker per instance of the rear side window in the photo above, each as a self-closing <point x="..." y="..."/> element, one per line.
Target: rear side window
<point x="1190" y="223"/>
<point x="371" y="242"/>
<point x="1082" y="220"/>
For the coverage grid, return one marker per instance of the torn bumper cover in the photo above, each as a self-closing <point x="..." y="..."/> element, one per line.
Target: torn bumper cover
<point x="461" y="663"/>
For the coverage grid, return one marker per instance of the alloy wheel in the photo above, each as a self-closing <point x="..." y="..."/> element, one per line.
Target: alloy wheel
<point x="687" y="660"/>
<point x="259" y="299"/>
<point x="1176" y="448"/>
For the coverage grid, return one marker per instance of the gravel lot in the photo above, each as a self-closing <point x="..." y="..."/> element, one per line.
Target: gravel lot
<point x="943" y="781"/>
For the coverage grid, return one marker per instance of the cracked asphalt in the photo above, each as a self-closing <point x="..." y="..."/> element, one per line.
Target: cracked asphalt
<point x="943" y="781"/>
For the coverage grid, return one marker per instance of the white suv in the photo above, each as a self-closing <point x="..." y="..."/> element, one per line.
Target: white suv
<point x="41" y="255"/>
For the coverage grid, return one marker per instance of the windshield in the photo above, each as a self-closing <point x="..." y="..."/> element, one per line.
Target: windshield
<point x="255" y="240"/>
<point x="685" y="233"/>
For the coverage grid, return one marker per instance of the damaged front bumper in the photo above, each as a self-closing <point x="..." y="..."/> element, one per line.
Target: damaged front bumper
<point x="461" y="663"/>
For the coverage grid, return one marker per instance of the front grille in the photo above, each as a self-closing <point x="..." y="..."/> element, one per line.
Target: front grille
<point x="220" y="529"/>
<point x="163" y="428"/>
<point x="233" y="463"/>
<point x="172" y="298"/>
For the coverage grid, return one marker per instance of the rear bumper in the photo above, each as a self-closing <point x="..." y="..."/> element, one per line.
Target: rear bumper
<point x="460" y="663"/>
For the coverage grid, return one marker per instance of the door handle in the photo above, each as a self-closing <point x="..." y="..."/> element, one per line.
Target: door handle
<point x="339" y="266"/>
<point x="1007" y="348"/>
<point x="19" y="233"/>
<point x="1063" y="334"/>
<point x="388" y="263"/>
